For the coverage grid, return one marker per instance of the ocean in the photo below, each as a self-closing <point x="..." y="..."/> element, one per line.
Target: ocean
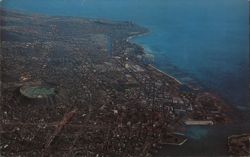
<point x="200" y="42"/>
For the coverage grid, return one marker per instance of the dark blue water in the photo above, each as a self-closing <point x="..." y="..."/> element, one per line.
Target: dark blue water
<point x="202" y="41"/>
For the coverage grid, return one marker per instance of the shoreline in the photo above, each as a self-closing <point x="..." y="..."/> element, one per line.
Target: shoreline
<point x="235" y="109"/>
<point x="135" y="36"/>
<point x="217" y="97"/>
<point x="152" y="66"/>
<point x="168" y="75"/>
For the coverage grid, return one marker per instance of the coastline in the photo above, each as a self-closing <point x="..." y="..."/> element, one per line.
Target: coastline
<point x="137" y="35"/>
<point x="168" y="75"/>
<point x="212" y="129"/>
<point x="152" y="66"/>
<point x="206" y="90"/>
<point x="154" y="69"/>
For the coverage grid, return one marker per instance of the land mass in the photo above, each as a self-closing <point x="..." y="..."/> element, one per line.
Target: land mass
<point x="77" y="87"/>
<point x="239" y="145"/>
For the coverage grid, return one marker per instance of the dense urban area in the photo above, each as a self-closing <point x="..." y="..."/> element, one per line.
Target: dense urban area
<point x="79" y="87"/>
